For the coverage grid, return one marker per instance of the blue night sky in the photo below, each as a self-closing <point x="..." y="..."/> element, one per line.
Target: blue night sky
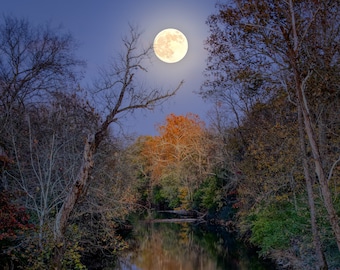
<point x="99" y="27"/>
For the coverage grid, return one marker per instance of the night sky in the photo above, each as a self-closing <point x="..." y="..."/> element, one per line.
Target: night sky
<point x="99" y="26"/>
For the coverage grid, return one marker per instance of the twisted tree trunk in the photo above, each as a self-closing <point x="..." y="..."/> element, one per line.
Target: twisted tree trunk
<point x="72" y="198"/>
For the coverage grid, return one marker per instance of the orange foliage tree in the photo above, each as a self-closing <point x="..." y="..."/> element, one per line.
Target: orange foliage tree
<point x="177" y="158"/>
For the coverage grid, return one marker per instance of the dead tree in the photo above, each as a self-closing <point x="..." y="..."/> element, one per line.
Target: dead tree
<point x="117" y="86"/>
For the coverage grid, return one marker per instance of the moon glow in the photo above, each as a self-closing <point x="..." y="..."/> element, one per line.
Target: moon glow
<point x="170" y="45"/>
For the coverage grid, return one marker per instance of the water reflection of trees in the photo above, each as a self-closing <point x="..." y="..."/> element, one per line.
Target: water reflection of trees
<point x="168" y="247"/>
<point x="175" y="246"/>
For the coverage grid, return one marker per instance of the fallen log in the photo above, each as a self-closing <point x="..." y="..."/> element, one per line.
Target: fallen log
<point x="178" y="212"/>
<point x="173" y="220"/>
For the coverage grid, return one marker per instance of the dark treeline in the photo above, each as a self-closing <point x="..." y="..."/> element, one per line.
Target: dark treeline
<point x="273" y="68"/>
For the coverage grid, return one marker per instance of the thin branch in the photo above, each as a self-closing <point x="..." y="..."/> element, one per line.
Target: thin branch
<point x="332" y="169"/>
<point x="309" y="24"/>
<point x="262" y="27"/>
<point x="303" y="87"/>
<point x="295" y="36"/>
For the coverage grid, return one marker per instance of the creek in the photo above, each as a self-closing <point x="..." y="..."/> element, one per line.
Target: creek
<point x="186" y="246"/>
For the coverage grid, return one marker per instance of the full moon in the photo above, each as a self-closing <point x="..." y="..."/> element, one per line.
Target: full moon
<point x="170" y="45"/>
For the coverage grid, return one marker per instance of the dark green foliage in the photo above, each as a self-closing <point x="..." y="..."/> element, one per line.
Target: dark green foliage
<point x="158" y="197"/>
<point x="209" y="194"/>
<point x="275" y="226"/>
<point x="142" y="188"/>
<point x="217" y="194"/>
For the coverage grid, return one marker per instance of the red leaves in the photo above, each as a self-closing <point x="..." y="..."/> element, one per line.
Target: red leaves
<point x="13" y="219"/>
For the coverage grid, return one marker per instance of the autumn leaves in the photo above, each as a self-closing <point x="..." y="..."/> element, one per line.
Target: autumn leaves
<point x="177" y="159"/>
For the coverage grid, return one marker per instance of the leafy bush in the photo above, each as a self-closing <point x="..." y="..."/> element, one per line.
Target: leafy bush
<point x="164" y="197"/>
<point x="276" y="225"/>
<point x="209" y="194"/>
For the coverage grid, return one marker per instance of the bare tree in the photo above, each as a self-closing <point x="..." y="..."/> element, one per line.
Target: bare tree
<point x="44" y="122"/>
<point x="34" y="61"/>
<point x="117" y="86"/>
<point x="46" y="146"/>
<point x="39" y="74"/>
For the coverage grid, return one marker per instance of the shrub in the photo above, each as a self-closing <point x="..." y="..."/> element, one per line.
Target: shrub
<point x="274" y="226"/>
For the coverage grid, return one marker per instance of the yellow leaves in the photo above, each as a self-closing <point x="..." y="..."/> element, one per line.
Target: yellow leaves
<point x="271" y="154"/>
<point x="282" y="198"/>
<point x="184" y="197"/>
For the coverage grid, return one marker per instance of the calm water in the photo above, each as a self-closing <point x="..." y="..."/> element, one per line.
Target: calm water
<point x="183" y="246"/>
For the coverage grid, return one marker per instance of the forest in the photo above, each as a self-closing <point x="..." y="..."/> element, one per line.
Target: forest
<point x="267" y="165"/>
